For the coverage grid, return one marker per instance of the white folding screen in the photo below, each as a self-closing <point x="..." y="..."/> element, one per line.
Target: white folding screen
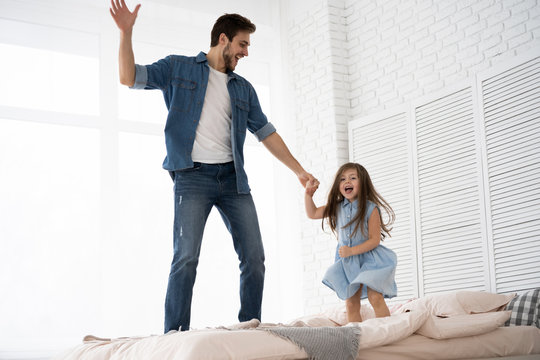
<point x="462" y="171"/>
<point x="381" y="146"/>
<point x="449" y="217"/>
<point x="511" y="107"/>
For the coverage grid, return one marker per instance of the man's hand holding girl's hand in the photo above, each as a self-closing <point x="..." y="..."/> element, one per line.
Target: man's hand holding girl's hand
<point x="312" y="186"/>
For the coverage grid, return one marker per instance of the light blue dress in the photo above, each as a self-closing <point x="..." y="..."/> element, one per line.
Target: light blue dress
<point x="375" y="269"/>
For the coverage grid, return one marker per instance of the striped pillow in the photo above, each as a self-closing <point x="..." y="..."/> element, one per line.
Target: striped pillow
<point x="525" y="309"/>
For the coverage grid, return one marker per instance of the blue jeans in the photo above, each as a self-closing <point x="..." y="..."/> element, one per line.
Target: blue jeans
<point x="196" y="191"/>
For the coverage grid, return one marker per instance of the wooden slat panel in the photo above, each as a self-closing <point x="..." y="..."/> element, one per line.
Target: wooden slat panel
<point x="381" y="146"/>
<point x="512" y="123"/>
<point x="448" y="182"/>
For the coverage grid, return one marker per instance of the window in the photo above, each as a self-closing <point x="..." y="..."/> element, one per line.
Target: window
<point x="88" y="209"/>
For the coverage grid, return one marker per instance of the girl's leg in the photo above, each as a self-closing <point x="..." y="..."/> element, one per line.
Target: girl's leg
<point x="377" y="301"/>
<point x="353" y="307"/>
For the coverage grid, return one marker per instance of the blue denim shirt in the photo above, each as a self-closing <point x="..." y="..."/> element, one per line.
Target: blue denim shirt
<point x="183" y="81"/>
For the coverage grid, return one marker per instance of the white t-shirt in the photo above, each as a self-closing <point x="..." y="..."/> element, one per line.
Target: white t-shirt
<point x="213" y="136"/>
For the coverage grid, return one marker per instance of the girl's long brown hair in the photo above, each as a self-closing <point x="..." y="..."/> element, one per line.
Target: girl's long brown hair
<point x="365" y="192"/>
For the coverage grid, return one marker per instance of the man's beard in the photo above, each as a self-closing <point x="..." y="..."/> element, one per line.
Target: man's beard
<point x="228" y="58"/>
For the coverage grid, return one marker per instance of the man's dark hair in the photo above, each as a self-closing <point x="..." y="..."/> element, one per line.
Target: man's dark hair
<point x="230" y="25"/>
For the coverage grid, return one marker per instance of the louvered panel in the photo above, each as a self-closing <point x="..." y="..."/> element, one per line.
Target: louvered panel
<point x="524" y="151"/>
<point x="384" y="132"/>
<point x="438" y="109"/>
<point x="444" y="251"/>
<point x="518" y="177"/>
<point x="510" y="108"/>
<point x="532" y="187"/>
<point x="512" y="127"/>
<point x="516" y="250"/>
<point x="508" y="232"/>
<point x="381" y="146"/>
<point x="433" y="212"/>
<point x="451" y="237"/>
<point x="450" y="221"/>
<point x="460" y="259"/>
<point x="447" y="133"/>
<point x="516" y="236"/>
<point x="521" y="165"/>
<point x="496" y="129"/>
<point x="501" y="141"/>
<point x="452" y="182"/>
<point x="521" y="264"/>
<point x="517" y="86"/>
<point x="511" y="219"/>
<point x="527" y="179"/>
<point x="445" y="126"/>
<point x="450" y="218"/>
<point x="503" y="81"/>
<point x="438" y="152"/>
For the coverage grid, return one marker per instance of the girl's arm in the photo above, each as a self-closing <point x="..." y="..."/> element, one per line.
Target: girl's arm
<point x="374" y="232"/>
<point x="312" y="211"/>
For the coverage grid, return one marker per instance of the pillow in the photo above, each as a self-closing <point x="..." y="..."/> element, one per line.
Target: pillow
<point x="525" y="309"/>
<point x="459" y="303"/>
<point x="475" y="302"/>
<point x="444" y="304"/>
<point x="462" y="325"/>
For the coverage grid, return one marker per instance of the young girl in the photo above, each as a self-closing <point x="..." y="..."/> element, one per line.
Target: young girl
<point x="363" y="267"/>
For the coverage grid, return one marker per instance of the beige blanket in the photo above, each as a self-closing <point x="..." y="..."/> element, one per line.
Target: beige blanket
<point x="432" y="322"/>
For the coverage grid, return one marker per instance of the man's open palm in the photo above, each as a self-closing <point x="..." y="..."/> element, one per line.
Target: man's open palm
<point x="123" y="18"/>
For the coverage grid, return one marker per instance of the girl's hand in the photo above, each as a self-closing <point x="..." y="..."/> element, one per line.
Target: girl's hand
<point x="345" y="251"/>
<point x="311" y="187"/>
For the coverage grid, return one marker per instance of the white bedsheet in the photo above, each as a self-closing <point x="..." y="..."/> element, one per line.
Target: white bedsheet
<point x="463" y="334"/>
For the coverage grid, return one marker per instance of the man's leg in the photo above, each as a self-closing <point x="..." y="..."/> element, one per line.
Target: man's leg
<point x="191" y="208"/>
<point x="240" y="216"/>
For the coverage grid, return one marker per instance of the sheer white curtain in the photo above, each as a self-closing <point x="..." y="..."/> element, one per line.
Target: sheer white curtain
<point x="85" y="208"/>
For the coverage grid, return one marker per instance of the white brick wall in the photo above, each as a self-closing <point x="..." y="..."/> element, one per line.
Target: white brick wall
<point x="319" y="73"/>
<point x="351" y="58"/>
<point x="412" y="48"/>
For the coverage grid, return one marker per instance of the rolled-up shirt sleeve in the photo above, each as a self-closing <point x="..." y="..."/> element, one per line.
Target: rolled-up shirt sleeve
<point x="265" y="131"/>
<point x="153" y="76"/>
<point x="141" y="77"/>
<point x="257" y="122"/>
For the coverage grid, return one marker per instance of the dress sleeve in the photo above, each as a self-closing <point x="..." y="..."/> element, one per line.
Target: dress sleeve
<point x="371" y="206"/>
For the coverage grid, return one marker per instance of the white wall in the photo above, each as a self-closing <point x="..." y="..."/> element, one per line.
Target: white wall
<point x="349" y="59"/>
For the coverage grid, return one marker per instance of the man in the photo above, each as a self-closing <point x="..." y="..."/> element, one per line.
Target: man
<point x="210" y="108"/>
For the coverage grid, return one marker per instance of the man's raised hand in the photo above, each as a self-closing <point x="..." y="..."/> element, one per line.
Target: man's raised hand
<point x="123" y="18"/>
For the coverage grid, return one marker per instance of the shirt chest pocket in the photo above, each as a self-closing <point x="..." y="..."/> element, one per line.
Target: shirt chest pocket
<point x="183" y="94"/>
<point x="242" y="111"/>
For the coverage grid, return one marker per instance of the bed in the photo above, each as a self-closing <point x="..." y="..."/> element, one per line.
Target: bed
<point x="455" y="325"/>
